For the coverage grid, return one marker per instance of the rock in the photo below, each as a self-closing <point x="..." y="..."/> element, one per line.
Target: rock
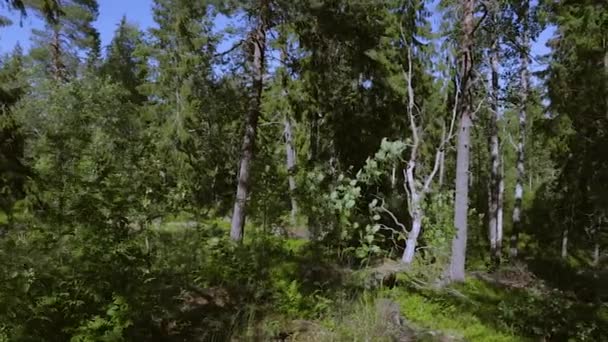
<point x="302" y="330"/>
<point x="389" y="313"/>
<point x="403" y="331"/>
<point x="383" y="274"/>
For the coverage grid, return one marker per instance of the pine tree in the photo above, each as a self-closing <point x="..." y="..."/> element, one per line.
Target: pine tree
<point x="579" y="103"/>
<point x="68" y="27"/>
<point x="123" y="65"/>
<point x="13" y="173"/>
<point x="256" y="56"/>
<point x="456" y="270"/>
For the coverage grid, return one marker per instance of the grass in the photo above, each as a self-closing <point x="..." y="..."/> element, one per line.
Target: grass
<point x="482" y="312"/>
<point x="437" y="313"/>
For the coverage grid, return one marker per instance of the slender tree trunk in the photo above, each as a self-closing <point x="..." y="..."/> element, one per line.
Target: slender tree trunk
<point x="257" y="49"/>
<point x="461" y="205"/>
<point x="499" y="211"/>
<point x="412" y="237"/>
<point x="290" y="152"/>
<point x="57" y="67"/>
<point x="606" y="76"/>
<point x="596" y="254"/>
<point x="494" y="146"/>
<point x="456" y="270"/>
<point x="523" y="98"/>
<point x="441" y="168"/>
<point x="565" y="243"/>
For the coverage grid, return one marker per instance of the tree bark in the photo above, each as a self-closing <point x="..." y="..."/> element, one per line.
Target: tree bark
<point x="412" y="237"/>
<point x="256" y="50"/>
<point x="441" y="168"/>
<point x="596" y="254"/>
<point x="494" y="145"/>
<point x="606" y="76"/>
<point x="57" y="67"/>
<point x="456" y="271"/>
<point x="461" y="205"/>
<point x="565" y="243"/>
<point x="523" y="98"/>
<point x="290" y="152"/>
<point x="499" y="212"/>
<point x="416" y="190"/>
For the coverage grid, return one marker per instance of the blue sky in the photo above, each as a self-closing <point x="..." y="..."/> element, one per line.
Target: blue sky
<point x="110" y="11"/>
<point x="140" y="12"/>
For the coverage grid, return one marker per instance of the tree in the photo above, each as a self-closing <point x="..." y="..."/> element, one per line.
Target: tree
<point x="68" y="27"/>
<point x="417" y="185"/>
<point x="13" y="5"/>
<point x="461" y="205"/>
<point x="288" y="132"/>
<point x="495" y="228"/>
<point x="578" y="107"/>
<point x="524" y="50"/>
<point x="13" y="174"/>
<point x="123" y="65"/>
<point x="256" y="54"/>
<point x="193" y="112"/>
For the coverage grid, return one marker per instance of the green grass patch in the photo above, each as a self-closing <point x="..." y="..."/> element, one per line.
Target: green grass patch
<point x="459" y="316"/>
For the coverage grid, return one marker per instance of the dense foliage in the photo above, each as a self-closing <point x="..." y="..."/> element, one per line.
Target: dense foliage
<point x="365" y="150"/>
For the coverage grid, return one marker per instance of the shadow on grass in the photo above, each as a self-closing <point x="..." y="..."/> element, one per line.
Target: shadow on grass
<point x="567" y="309"/>
<point x="206" y="287"/>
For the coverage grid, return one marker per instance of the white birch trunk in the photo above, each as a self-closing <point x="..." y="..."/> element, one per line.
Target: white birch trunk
<point x="441" y="168"/>
<point x="523" y="97"/>
<point x="494" y="146"/>
<point x="412" y="237"/>
<point x="499" y="212"/>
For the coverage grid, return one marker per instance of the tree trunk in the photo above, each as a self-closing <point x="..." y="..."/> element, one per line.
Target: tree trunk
<point x="257" y="49"/>
<point x="291" y="168"/>
<point x="290" y="151"/>
<point x="499" y="212"/>
<point x="412" y="237"/>
<point x="57" y="67"/>
<point x="565" y="243"/>
<point x="456" y="270"/>
<point x="441" y="168"/>
<point x="461" y="205"/>
<point x="494" y="146"/>
<point x="596" y="254"/>
<point x="606" y="76"/>
<point x="523" y="97"/>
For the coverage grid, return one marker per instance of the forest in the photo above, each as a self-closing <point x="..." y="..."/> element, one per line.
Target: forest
<point x="315" y="170"/>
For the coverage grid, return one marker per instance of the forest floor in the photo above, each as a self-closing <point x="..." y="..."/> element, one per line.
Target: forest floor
<point x="319" y="300"/>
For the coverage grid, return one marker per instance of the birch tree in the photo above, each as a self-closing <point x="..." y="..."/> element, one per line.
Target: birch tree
<point x="418" y="185"/>
<point x="524" y="52"/>
<point x="496" y="179"/>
